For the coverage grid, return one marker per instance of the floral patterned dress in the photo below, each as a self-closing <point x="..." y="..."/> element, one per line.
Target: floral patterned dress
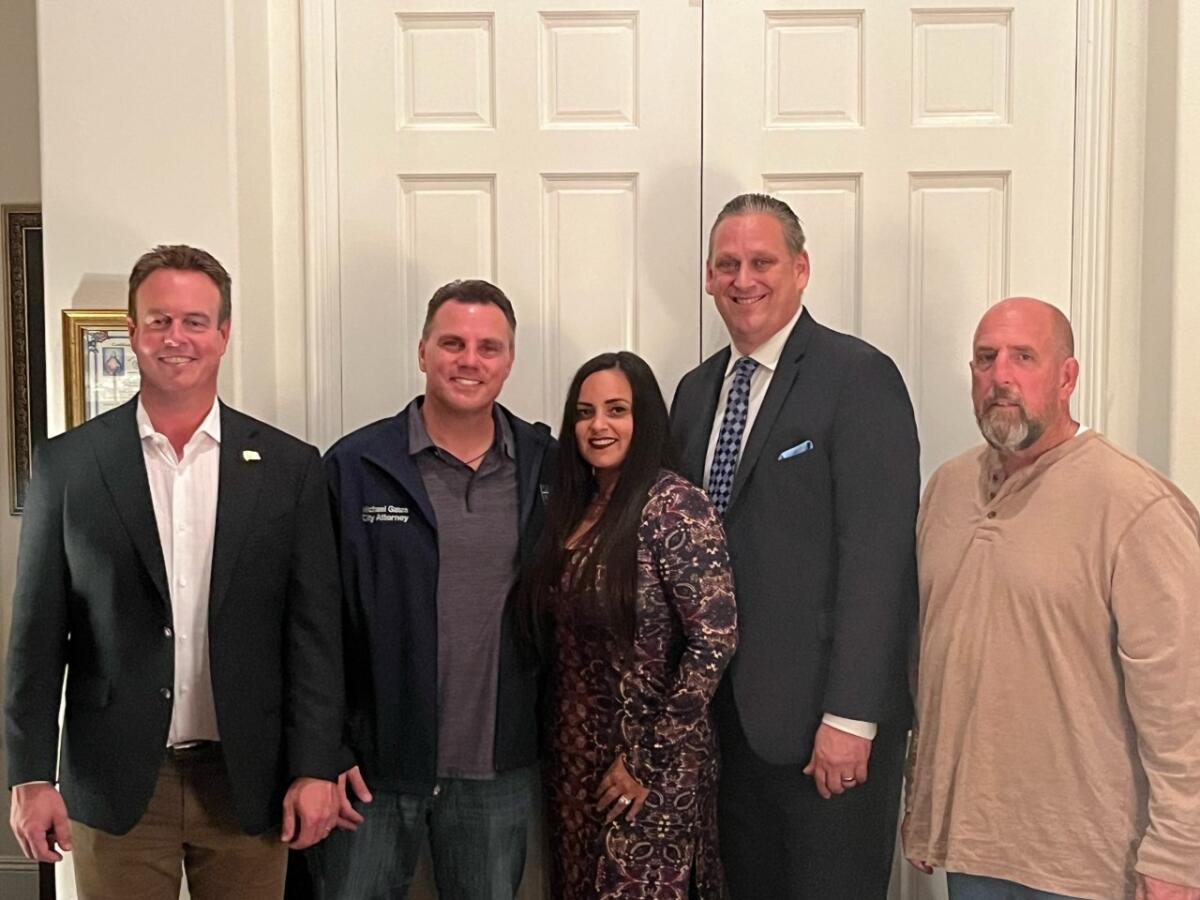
<point x="652" y="705"/>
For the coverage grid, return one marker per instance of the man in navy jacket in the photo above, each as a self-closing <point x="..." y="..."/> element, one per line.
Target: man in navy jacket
<point x="435" y="509"/>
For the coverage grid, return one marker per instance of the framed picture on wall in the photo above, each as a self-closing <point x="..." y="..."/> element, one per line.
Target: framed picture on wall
<point x="25" y="343"/>
<point x="99" y="368"/>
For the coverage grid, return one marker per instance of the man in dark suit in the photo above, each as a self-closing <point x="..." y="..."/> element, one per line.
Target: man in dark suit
<point x="177" y="560"/>
<point x="805" y="440"/>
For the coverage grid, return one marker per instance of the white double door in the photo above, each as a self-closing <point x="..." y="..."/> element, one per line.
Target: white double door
<point x="576" y="151"/>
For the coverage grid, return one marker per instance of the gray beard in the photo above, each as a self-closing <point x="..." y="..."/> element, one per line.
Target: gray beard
<point x="1006" y="434"/>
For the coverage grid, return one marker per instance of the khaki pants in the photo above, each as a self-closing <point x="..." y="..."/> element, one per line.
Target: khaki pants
<point x="189" y="826"/>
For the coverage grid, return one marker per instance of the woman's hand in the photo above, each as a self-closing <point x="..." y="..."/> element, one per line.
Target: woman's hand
<point x="620" y="792"/>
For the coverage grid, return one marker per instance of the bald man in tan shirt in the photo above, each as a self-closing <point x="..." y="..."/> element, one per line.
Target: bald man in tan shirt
<point x="1057" y="751"/>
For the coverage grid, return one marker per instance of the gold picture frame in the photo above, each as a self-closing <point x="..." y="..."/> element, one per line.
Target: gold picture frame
<point x="99" y="369"/>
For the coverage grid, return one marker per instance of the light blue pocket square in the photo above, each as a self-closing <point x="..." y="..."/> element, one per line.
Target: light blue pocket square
<point x="796" y="451"/>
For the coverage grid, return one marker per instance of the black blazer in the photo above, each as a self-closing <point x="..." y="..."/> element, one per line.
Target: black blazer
<point x="821" y="543"/>
<point x="92" y="598"/>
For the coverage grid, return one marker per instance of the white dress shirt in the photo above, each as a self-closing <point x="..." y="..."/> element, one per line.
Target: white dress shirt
<point x="184" y="493"/>
<point x="767" y="356"/>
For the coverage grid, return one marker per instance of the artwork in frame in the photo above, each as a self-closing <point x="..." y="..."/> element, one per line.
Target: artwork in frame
<point x="99" y="367"/>
<point x="25" y="342"/>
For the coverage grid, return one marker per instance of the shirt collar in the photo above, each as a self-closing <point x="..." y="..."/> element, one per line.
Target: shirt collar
<point x="768" y="352"/>
<point x="504" y="432"/>
<point x="210" y="425"/>
<point x="993" y="463"/>
<point x="418" y="434"/>
<point x="419" y="439"/>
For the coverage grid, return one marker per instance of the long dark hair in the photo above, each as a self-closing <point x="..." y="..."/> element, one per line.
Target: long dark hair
<point x="612" y="541"/>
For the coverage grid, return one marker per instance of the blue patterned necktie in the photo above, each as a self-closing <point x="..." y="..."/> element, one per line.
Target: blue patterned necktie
<point x="729" y="439"/>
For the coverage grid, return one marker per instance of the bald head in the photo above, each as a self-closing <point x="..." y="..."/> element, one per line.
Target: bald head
<point x="1023" y="372"/>
<point x="1035" y="317"/>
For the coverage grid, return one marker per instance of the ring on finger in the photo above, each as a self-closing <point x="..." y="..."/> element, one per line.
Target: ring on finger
<point x="624" y="799"/>
<point x="850" y="780"/>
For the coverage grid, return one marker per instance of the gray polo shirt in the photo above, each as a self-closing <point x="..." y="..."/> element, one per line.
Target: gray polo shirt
<point x="477" y="534"/>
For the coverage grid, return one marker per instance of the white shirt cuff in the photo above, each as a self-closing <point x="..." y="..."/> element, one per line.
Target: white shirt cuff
<point x="866" y="730"/>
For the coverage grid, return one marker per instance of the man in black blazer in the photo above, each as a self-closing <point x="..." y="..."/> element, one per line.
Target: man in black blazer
<point x="805" y="439"/>
<point x="177" y="561"/>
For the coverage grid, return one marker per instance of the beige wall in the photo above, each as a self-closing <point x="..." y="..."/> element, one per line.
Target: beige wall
<point x="1154" y="369"/>
<point x="1155" y="242"/>
<point x="19" y="183"/>
<point x="198" y="142"/>
<point x="1184" y="411"/>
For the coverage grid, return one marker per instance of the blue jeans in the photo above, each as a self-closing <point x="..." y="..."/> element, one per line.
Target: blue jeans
<point x="980" y="887"/>
<point x="476" y="831"/>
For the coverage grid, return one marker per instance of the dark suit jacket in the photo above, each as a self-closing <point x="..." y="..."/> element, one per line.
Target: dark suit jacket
<point x="821" y="543"/>
<point x="92" y="597"/>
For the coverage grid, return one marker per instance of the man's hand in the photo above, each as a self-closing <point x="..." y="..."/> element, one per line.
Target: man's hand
<point x="39" y="821"/>
<point x="1151" y="888"/>
<point x="839" y="760"/>
<point x="919" y="864"/>
<point x="348" y="817"/>
<point x="314" y="802"/>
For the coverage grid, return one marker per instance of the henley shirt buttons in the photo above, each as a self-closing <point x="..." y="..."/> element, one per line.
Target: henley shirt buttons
<point x="437" y="789"/>
<point x="167" y="632"/>
<point x="166" y="693"/>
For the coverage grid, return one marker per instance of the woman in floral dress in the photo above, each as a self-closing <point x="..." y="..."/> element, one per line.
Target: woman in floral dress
<point x="632" y="602"/>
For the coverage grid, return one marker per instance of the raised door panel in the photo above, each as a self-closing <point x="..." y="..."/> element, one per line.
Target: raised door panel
<point x="929" y="152"/>
<point x="551" y="148"/>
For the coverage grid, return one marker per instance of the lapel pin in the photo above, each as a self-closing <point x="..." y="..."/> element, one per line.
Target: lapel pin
<point x="251" y="455"/>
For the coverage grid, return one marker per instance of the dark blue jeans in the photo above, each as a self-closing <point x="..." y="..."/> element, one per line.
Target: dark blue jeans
<point x="476" y="832"/>
<point x="980" y="887"/>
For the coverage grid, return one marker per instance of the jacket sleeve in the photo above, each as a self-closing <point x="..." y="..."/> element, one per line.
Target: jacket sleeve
<point x="315" y="711"/>
<point x="687" y="545"/>
<point x="1156" y="605"/>
<point x="875" y="461"/>
<point x="37" y="647"/>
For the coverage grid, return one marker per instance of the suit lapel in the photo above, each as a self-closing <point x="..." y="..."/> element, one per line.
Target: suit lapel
<point x="777" y="391"/>
<point x="237" y="497"/>
<point x="118" y="449"/>
<point x="695" y="449"/>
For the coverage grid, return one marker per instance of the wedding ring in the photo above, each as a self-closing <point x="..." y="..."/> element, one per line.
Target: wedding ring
<point x="625" y="800"/>
<point x="850" y="780"/>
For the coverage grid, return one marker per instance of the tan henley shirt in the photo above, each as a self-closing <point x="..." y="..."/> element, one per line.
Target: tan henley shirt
<point x="1058" y="688"/>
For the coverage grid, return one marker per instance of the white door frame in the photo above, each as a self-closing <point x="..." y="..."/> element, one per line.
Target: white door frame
<point x="322" y="246"/>
<point x="1090" y="240"/>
